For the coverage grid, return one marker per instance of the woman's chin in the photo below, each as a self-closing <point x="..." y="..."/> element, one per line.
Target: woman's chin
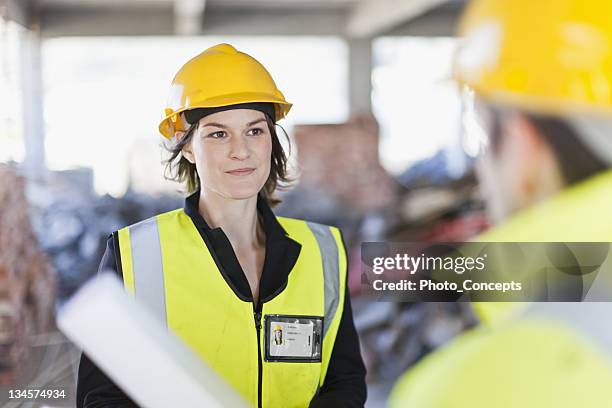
<point x="242" y="193"/>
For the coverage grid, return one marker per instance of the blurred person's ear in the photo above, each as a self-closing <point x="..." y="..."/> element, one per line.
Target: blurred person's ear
<point x="531" y="166"/>
<point x="520" y="170"/>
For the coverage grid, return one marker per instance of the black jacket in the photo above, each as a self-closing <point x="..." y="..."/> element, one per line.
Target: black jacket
<point x="345" y="380"/>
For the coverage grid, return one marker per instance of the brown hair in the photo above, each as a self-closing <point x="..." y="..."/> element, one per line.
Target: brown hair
<point x="178" y="168"/>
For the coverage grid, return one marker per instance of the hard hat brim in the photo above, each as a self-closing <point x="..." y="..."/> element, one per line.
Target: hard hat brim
<point x="168" y="126"/>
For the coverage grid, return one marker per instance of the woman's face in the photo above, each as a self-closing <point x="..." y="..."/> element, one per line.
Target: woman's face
<point x="232" y="151"/>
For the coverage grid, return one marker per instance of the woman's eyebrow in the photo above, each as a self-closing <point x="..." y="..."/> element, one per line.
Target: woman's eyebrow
<point x="219" y="125"/>
<point x="255" y="121"/>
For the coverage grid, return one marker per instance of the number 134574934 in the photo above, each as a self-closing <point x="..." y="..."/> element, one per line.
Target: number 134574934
<point x="35" y="393"/>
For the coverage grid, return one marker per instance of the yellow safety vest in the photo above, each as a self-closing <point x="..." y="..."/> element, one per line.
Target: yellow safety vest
<point x="167" y="265"/>
<point x="527" y="362"/>
<point x="580" y="213"/>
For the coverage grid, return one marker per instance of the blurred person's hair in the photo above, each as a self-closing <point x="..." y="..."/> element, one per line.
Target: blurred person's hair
<point x="178" y="168"/>
<point x="576" y="161"/>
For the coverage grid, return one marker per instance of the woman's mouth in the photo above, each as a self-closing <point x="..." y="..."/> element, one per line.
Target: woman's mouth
<point x="241" y="172"/>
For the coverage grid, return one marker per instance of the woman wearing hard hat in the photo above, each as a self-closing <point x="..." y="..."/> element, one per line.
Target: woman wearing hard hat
<point x="223" y="272"/>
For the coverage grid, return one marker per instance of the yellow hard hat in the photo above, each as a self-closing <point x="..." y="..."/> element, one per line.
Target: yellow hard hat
<point x="277" y="327"/>
<point x="220" y="76"/>
<point x="553" y="56"/>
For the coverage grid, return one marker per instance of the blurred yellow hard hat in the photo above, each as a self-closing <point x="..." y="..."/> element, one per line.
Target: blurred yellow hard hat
<point x="220" y="76"/>
<point x="553" y="56"/>
<point x="277" y="327"/>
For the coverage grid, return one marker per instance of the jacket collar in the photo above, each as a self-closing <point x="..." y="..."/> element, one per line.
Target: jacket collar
<point x="282" y="252"/>
<point x="272" y="227"/>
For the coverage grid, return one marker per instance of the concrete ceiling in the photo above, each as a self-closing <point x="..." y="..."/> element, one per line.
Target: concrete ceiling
<point x="295" y="4"/>
<point x="347" y="18"/>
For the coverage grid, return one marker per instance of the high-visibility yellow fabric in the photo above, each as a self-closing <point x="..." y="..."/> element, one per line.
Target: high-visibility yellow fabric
<point x="204" y="312"/>
<point x="526" y="364"/>
<point x="291" y="384"/>
<point x="577" y="214"/>
<point x="552" y="56"/>
<point x="126" y="258"/>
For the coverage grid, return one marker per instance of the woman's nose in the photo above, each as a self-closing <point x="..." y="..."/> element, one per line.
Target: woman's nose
<point x="239" y="148"/>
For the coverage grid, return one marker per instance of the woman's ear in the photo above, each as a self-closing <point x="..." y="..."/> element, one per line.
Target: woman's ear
<point x="188" y="153"/>
<point x="186" y="150"/>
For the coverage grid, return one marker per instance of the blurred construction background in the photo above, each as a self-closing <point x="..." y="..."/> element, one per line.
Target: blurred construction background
<point x="375" y="131"/>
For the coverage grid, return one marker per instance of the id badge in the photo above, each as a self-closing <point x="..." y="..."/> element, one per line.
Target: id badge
<point x="295" y="339"/>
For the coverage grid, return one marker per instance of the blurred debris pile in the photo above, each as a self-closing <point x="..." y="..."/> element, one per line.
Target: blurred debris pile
<point x="433" y="207"/>
<point x="449" y="212"/>
<point x="435" y="170"/>
<point x="73" y="223"/>
<point x="27" y="280"/>
<point x="394" y="336"/>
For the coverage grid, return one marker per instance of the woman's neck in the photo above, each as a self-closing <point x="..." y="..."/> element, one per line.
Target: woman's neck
<point x="237" y="218"/>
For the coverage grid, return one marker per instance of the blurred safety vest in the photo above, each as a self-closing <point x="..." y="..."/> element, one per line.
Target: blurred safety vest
<point x="578" y="214"/>
<point x="169" y="268"/>
<point x="522" y="356"/>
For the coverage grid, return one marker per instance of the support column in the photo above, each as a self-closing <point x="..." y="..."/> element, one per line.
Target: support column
<point x="360" y="75"/>
<point x="32" y="102"/>
<point x="188" y="16"/>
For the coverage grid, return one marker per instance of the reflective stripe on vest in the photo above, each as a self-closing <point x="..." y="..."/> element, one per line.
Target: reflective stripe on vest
<point x="147" y="267"/>
<point x="329" y="252"/>
<point x="158" y="250"/>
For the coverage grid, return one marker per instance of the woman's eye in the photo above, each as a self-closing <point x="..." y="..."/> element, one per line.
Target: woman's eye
<point x="216" y="135"/>
<point x="255" y="131"/>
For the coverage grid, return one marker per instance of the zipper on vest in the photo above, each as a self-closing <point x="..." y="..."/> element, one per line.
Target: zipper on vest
<point x="257" y="317"/>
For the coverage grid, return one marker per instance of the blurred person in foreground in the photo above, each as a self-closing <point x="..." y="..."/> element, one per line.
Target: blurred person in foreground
<point x="539" y="76"/>
<point x="223" y="272"/>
